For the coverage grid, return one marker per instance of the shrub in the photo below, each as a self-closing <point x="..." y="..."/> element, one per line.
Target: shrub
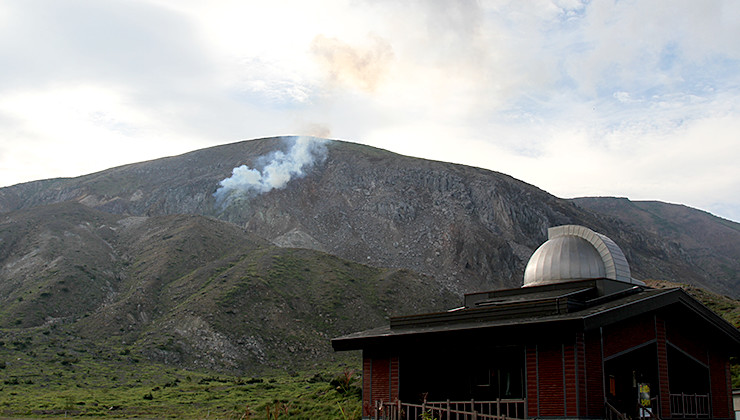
<point x="345" y="382"/>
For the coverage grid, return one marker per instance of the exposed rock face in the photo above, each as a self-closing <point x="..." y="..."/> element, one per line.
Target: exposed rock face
<point x="470" y="228"/>
<point x="190" y="290"/>
<point x="709" y="243"/>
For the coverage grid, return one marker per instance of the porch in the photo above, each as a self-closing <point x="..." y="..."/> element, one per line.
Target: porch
<point x="683" y="406"/>
<point x="499" y="409"/>
<point x="690" y="406"/>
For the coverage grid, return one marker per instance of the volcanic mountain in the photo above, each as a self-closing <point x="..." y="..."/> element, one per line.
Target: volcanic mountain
<point x="468" y="228"/>
<point x="251" y="255"/>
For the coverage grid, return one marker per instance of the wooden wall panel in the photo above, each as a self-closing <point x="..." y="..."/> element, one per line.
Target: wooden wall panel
<point x="581" y="374"/>
<point x="662" y="353"/>
<point x="551" y="390"/>
<point x="380" y="381"/>
<point x="367" y="375"/>
<point x="394" y="378"/>
<point x="688" y="338"/>
<point x="594" y="376"/>
<point x="719" y="372"/>
<point x="628" y="334"/>
<point x="532" y="391"/>
<point x="570" y="380"/>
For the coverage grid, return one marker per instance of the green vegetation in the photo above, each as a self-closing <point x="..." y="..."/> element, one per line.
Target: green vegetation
<point x="43" y="376"/>
<point x="727" y="307"/>
<point x="179" y="394"/>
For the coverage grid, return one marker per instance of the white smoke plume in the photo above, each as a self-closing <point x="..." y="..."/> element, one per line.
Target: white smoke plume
<point x="278" y="170"/>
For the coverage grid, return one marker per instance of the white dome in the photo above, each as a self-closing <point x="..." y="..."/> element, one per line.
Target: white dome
<point x="576" y="253"/>
<point x="564" y="258"/>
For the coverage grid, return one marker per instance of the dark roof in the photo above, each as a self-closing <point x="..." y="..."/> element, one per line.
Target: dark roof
<point x="579" y="304"/>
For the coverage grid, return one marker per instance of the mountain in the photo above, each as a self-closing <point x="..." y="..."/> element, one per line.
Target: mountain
<point x="467" y="228"/>
<point x="252" y="255"/>
<point x="190" y="290"/>
<point x="710" y="243"/>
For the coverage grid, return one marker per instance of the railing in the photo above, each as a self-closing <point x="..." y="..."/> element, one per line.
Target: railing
<point x="612" y="413"/>
<point x="452" y="410"/>
<point x="693" y="406"/>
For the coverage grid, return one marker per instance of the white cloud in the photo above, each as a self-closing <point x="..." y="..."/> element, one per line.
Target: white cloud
<point x="646" y="94"/>
<point x="56" y="132"/>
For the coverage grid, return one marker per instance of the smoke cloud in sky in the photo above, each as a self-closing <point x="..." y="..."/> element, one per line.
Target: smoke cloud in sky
<point x="277" y="169"/>
<point x="562" y="94"/>
<point x="353" y="66"/>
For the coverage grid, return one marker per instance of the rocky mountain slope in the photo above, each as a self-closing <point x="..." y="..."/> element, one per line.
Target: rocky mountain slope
<point x="709" y="242"/>
<point x="252" y="255"/>
<point x="468" y="228"/>
<point x="190" y="290"/>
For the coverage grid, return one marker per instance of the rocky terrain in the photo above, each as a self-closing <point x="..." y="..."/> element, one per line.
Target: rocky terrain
<point x="710" y="243"/>
<point x="469" y="228"/>
<point x="252" y="255"/>
<point x="190" y="290"/>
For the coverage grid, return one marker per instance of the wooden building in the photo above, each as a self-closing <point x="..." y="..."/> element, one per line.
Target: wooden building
<point x="581" y="339"/>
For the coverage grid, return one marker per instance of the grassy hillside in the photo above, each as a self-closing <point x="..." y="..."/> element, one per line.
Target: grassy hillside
<point x="725" y="306"/>
<point x="53" y="370"/>
<point x="52" y="373"/>
<point x="190" y="291"/>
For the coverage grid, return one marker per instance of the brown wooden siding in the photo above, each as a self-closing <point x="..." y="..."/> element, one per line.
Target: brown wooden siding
<point x="380" y="381"/>
<point x="570" y="379"/>
<point x="550" y="369"/>
<point x="594" y="376"/>
<point x="581" y="373"/>
<point x="367" y="375"/>
<point x="662" y="353"/>
<point x="719" y="372"/>
<point x="628" y="334"/>
<point x="394" y="379"/>
<point x="688" y="338"/>
<point x="532" y="391"/>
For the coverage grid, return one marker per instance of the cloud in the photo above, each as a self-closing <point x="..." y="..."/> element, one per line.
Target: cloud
<point x="360" y="67"/>
<point x="519" y="87"/>
<point x="315" y="130"/>
<point x="133" y="43"/>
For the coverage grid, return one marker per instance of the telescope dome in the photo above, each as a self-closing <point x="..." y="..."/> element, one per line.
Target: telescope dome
<point x="576" y="253"/>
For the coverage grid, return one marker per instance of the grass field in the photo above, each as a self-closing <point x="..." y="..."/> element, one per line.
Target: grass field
<point x="56" y="375"/>
<point x="168" y="393"/>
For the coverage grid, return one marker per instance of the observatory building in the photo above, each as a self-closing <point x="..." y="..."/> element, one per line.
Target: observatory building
<point x="581" y="339"/>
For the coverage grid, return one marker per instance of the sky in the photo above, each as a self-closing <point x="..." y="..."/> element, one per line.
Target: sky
<point x="637" y="99"/>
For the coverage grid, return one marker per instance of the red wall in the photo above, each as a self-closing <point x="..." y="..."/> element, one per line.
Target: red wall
<point x="628" y="334"/>
<point x="689" y="337"/>
<point x="570" y="380"/>
<point x="721" y="388"/>
<point x="380" y="381"/>
<point x="660" y="336"/>
<point x="594" y="398"/>
<point x="550" y="368"/>
<point x="532" y="391"/>
<point x="565" y="379"/>
<point x="367" y="376"/>
<point x="580" y="366"/>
